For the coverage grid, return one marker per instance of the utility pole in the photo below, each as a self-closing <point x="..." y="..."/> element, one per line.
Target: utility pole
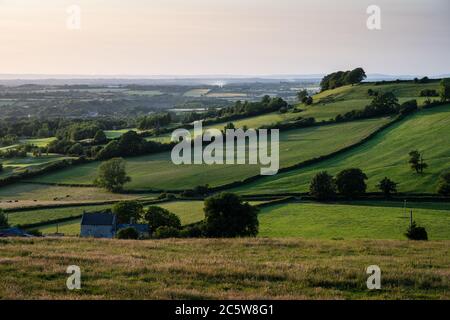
<point x="404" y="209"/>
<point x="411" y="219"/>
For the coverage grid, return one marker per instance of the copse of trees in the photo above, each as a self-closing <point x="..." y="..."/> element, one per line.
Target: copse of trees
<point x="341" y="78"/>
<point x="130" y="144"/>
<point x="382" y="105"/>
<point x="155" y="121"/>
<point x="112" y="175"/>
<point x="226" y="216"/>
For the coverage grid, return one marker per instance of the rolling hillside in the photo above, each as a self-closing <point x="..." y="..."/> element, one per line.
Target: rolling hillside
<point x="386" y="155"/>
<point x="158" y="172"/>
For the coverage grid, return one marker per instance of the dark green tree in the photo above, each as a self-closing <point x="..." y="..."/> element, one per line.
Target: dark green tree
<point x="159" y="217"/>
<point x="355" y="76"/>
<point x="100" y="137"/>
<point x="416" y="161"/>
<point x="112" y="175"/>
<point x="322" y="186"/>
<point x="302" y="95"/>
<point x="387" y="186"/>
<point x="444" y="90"/>
<point x="444" y="184"/>
<point x="226" y="216"/>
<point x="351" y="183"/>
<point x="3" y="220"/>
<point x="127" y="211"/>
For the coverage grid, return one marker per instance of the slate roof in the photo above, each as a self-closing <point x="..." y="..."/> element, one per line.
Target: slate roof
<point x="98" y="219"/>
<point x="13" y="232"/>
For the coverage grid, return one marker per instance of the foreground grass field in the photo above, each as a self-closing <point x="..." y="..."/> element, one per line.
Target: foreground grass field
<point x="158" y="172"/>
<point x="358" y="220"/>
<point x="384" y="156"/>
<point x="223" y="269"/>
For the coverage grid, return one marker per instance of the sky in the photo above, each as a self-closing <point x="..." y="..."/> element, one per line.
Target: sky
<point x="223" y="37"/>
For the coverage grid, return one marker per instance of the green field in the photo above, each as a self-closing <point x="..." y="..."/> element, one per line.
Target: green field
<point x="190" y="211"/>
<point x="30" y="195"/>
<point x="38" y="142"/>
<point x="223" y="269"/>
<point x="384" y="156"/>
<point x="157" y="171"/>
<point x="328" y="104"/>
<point x="43" y="215"/>
<point x="18" y="165"/>
<point x="359" y="220"/>
<point x="68" y="228"/>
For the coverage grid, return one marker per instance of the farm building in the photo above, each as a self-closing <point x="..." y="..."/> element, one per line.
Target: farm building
<point x="98" y="225"/>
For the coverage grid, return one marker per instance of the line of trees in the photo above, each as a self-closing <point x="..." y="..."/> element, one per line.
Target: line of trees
<point x="341" y="78"/>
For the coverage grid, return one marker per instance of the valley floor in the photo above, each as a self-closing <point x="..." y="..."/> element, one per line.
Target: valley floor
<point x="224" y="269"/>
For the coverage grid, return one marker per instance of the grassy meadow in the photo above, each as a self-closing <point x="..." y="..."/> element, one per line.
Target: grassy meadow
<point x="359" y="220"/>
<point x="223" y="269"/>
<point x="29" y="195"/>
<point x="386" y="155"/>
<point x="158" y="172"/>
<point x="44" y="215"/>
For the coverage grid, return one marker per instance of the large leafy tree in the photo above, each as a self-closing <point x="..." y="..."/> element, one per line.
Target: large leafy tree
<point x="226" y="216"/>
<point x="157" y="217"/>
<point x="351" y="182"/>
<point x="112" y="175"/>
<point x="322" y="186"/>
<point x="126" y="211"/>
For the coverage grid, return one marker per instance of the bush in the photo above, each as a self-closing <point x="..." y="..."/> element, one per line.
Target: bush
<point x="415" y="232"/>
<point x="226" y="216"/>
<point x="159" y="217"/>
<point x="165" y="232"/>
<point x="193" y="231"/>
<point x="127" y="233"/>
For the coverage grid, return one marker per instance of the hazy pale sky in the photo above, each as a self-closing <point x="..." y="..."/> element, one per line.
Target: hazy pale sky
<point x="248" y="37"/>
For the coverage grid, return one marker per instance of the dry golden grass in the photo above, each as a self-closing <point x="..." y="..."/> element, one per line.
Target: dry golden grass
<point x="223" y="269"/>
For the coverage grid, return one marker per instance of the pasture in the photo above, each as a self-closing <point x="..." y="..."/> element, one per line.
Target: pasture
<point x="386" y="155"/>
<point x="48" y="215"/>
<point x="357" y="220"/>
<point x="158" y="172"/>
